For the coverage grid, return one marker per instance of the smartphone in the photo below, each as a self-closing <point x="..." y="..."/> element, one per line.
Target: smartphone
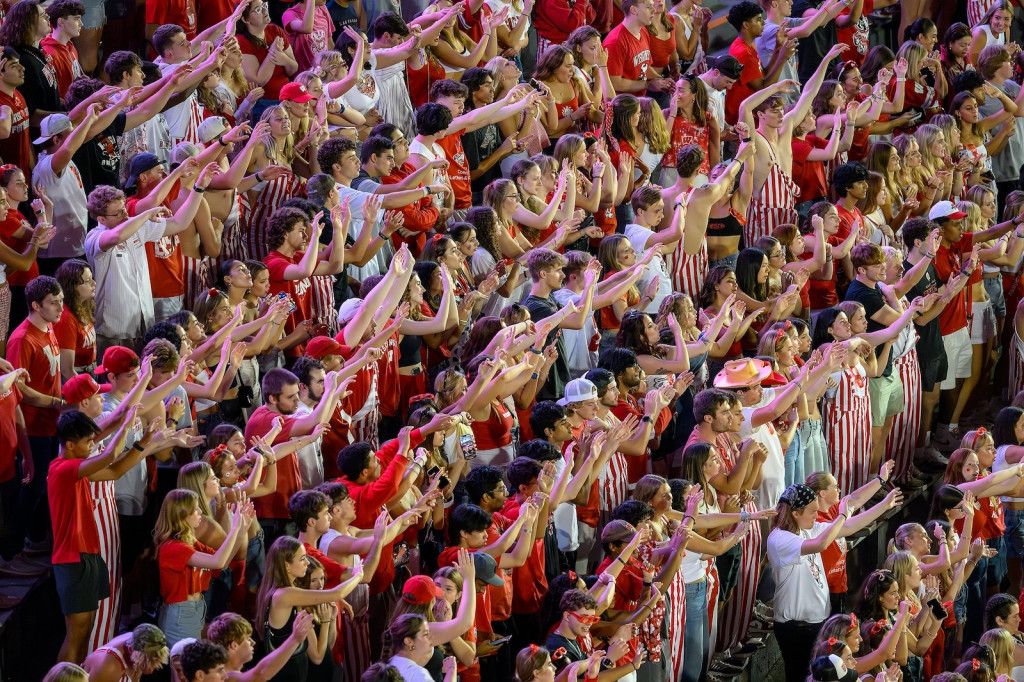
<point x="468" y="443"/>
<point x="283" y="296"/>
<point x="937" y="610"/>
<point x="537" y="85"/>
<point x="499" y="641"/>
<point x="432" y="471"/>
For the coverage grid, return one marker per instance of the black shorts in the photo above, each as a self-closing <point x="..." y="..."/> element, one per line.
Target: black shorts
<point x="933" y="370"/>
<point x="82" y="585"/>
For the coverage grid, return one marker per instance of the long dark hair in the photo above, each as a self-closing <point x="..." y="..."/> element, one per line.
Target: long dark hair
<point x="820" y="336"/>
<point x="19" y="27"/>
<point x="633" y="335"/>
<point x="1004" y="429"/>
<point x="748" y="264"/>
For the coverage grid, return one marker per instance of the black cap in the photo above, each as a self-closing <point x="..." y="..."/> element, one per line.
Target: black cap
<point x="727" y="65"/>
<point x="831" y="669"/>
<point x="139" y="164"/>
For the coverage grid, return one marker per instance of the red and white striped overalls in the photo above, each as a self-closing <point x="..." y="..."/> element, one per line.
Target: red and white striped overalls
<point x="104" y="511"/>
<point x="322" y="302"/>
<point x="976" y="9"/>
<point x="847" y="422"/>
<point x="902" y="439"/>
<point x="232" y="241"/>
<point x="737" y="615"/>
<point x="775" y="205"/>
<point x="198" y="277"/>
<point x="688" y="271"/>
<point x="273" y="194"/>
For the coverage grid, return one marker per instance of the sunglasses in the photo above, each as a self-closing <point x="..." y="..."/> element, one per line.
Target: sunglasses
<point x="585" y="620"/>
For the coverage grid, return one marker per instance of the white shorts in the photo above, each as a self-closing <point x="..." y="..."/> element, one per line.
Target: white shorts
<point x="958" y="357"/>
<point x="983" y="322"/>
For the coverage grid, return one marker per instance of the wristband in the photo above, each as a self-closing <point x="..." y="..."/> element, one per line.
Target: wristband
<point x="258" y="178"/>
<point x="620" y="560"/>
<point x="744" y="139"/>
<point x="220" y="140"/>
<point x="197" y="189"/>
<point x="535" y="376"/>
<point x="534" y="350"/>
<point x="648" y="583"/>
<point x="137" y="446"/>
<point x="929" y="256"/>
<point x="646" y="419"/>
<point x="173" y="420"/>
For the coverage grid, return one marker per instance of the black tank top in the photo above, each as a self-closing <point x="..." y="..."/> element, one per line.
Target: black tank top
<point x="729" y="226"/>
<point x="297" y="667"/>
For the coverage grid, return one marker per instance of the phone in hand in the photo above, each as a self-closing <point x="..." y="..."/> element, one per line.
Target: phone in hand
<point x="468" y="443"/>
<point x="499" y="641"/>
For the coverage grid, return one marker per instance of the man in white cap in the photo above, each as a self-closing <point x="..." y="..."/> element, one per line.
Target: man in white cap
<point x="957" y="252"/>
<point x="57" y="173"/>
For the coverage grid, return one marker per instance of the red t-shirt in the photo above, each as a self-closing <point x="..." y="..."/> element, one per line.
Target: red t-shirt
<point x="629" y="587"/>
<point x="17" y="148"/>
<point x="387" y="378"/>
<point x="629" y="56"/>
<point x="458" y="168"/>
<point x="180" y="12"/>
<point x="420" y="216"/>
<point x="856" y="35"/>
<point x="275" y="505"/>
<point x="948" y="261"/>
<point x="300" y="291"/>
<point x="177" y="579"/>
<point x="74" y="527"/>
<point x="65" y="62"/>
<point x="212" y="12"/>
<point x="8" y="227"/>
<point x="636" y="467"/>
<point x="279" y="78"/>
<point x="73" y="335"/>
<point x="809" y="175"/>
<point x="501" y="597"/>
<point x="530" y="584"/>
<point x="166" y="262"/>
<point x="9" y="433"/>
<point x="752" y="70"/>
<point x="834" y="556"/>
<point x="38" y="352"/>
<point x="332" y="569"/>
<point x="306" y="46"/>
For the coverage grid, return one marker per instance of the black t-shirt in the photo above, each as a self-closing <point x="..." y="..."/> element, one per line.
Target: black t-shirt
<point x="480" y="144"/>
<point x="572" y="648"/>
<point x="930" y="345"/>
<point x="873" y="301"/>
<point x="99" y="159"/>
<point x="40" y="87"/>
<point x="558" y="377"/>
<point x="811" y="51"/>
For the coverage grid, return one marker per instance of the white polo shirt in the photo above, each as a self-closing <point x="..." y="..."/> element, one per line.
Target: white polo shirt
<point x="124" y="296"/>
<point x="70" y="214"/>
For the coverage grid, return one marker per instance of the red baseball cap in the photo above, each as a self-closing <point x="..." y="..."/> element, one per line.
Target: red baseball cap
<point x="295" y="92"/>
<point x="118" y="359"/>
<point x="420" y="589"/>
<point x="774" y="379"/>
<point x="320" y="347"/>
<point x="82" y="387"/>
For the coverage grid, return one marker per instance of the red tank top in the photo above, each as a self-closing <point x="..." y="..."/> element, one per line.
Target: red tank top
<point x="496" y="431"/>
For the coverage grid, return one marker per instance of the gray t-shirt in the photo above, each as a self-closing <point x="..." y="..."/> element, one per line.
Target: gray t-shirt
<point x="1006" y="164"/>
<point x="765" y="44"/>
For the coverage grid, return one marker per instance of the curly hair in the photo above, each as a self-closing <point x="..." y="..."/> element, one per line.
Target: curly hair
<point x="101" y="198"/>
<point x="281" y="223"/>
<point x="19" y="27"/>
<point x="633" y="335"/>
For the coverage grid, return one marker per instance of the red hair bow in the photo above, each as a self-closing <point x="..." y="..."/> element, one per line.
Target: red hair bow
<point x="853" y="623"/>
<point x="573" y="577"/>
<point x="879" y="626"/>
<point x="534" y="648"/>
<point x="218" y="452"/>
<point x="832" y="641"/>
<point x="8" y="166"/>
<point x="978" y="434"/>
<point x="975" y="664"/>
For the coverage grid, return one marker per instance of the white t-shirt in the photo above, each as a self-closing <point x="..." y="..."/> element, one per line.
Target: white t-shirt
<point x="578" y="355"/>
<point x="158" y="138"/>
<point x="130" y="489"/>
<point x="182" y="119"/>
<point x="482" y="264"/>
<point x="801" y="589"/>
<point x="309" y="457"/>
<point x="124" y="296"/>
<point x="377" y="265"/>
<point x="432" y="153"/>
<point x="70" y="214"/>
<point x="409" y="670"/>
<point x="774" y="468"/>
<point x="638" y="237"/>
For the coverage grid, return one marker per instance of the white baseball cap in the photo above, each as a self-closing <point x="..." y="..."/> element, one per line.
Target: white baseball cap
<point x="578" y="390"/>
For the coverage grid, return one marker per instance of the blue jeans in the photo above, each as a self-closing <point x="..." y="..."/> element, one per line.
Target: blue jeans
<point x="181" y="620"/>
<point x="255" y="561"/>
<point x="795" y="462"/>
<point x="728" y="261"/>
<point x="812" y="446"/>
<point x="696" y="637"/>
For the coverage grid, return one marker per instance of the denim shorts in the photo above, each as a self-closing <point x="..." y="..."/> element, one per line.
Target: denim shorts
<point x="997" y="564"/>
<point x="255" y="561"/>
<point x="181" y="620"/>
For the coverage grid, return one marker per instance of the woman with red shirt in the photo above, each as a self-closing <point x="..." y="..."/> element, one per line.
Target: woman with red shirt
<point x="690" y="121"/>
<point x="75" y="332"/>
<point x="187" y="565"/>
<point x="661" y="35"/>
<point x="917" y="92"/>
<point x="616" y="254"/>
<point x="267" y="57"/>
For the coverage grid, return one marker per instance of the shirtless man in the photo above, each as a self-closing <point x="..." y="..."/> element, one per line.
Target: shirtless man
<point x="775" y="193"/>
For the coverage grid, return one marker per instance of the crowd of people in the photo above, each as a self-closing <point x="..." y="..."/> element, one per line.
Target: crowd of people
<point x="518" y="340"/>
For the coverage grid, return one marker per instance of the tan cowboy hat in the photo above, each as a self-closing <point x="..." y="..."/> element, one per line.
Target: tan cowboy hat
<point x="743" y="373"/>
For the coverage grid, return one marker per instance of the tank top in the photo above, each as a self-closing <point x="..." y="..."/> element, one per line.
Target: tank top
<point x="116" y="653"/>
<point x="297" y="667"/>
<point x="1000" y="464"/>
<point x="409" y="350"/>
<point x="729" y="226"/>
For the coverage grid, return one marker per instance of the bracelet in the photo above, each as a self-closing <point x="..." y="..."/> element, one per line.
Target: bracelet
<point x="798" y="384"/>
<point x="535" y="376"/>
<point x="744" y="516"/>
<point x="744" y="139"/>
<point x="929" y="255"/>
<point x="844" y="515"/>
<point x="220" y="140"/>
<point x="197" y="189"/>
<point x="646" y="419"/>
<point x="534" y="350"/>
<point x="137" y="446"/>
<point x="173" y="420"/>
<point x="40" y="212"/>
<point x="648" y="583"/>
<point x="527" y="530"/>
<point x="258" y="178"/>
<point x="620" y="560"/>
<point x="687" y="516"/>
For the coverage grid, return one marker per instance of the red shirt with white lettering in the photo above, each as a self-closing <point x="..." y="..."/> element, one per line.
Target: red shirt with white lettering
<point x="73" y="335"/>
<point x="65" y="62"/>
<point x="458" y="168"/>
<point x="166" y="263"/>
<point x="529" y="582"/>
<point x="8" y="227"/>
<point x="948" y="261"/>
<point x="629" y="56"/>
<point x="180" y="12"/>
<point x="37" y="351"/>
<point x="17" y="148"/>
